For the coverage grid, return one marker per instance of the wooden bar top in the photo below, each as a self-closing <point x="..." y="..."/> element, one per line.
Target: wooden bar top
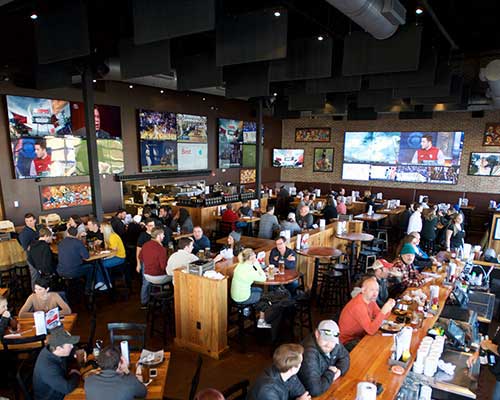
<point x="156" y="388"/>
<point x="370" y="358"/>
<point x="370" y="217"/>
<point x="4" y="292"/>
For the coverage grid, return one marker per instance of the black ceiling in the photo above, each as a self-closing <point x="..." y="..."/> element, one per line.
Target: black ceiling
<point x="364" y="72"/>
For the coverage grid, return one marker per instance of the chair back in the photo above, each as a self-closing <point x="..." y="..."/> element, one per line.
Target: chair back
<point x="50" y="219"/>
<point x="28" y="343"/>
<point x="238" y="391"/>
<point x="136" y="336"/>
<point x="7" y="225"/>
<point x="345" y="217"/>
<point x="196" y="379"/>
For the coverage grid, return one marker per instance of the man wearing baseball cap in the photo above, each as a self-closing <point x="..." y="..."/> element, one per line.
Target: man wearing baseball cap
<point x="325" y="358"/>
<point x="380" y="269"/>
<point x="51" y="379"/>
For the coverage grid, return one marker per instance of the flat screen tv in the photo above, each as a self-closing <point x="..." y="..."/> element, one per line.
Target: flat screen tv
<point x="421" y="157"/>
<point x="484" y="164"/>
<point x="288" y="158"/>
<point x="62" y="196"/>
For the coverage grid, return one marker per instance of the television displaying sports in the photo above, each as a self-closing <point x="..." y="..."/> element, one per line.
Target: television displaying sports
<point x="63" y="196"/>
<point x="157" y="125"/>
<point x="249" y="132"/>
<point x="158" y="155"/>
<point x="48" y="138"/>
<point x="484" y="164"/>
<point x="423" y="157"/>
<point x="249" y="156"/>
<point x="191" y="128"/>
<point x="288" y="158"/>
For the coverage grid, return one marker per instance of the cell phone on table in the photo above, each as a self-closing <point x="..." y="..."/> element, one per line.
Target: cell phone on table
<point x="153" y="373"/>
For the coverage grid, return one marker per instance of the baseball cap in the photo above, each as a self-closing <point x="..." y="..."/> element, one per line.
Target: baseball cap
<point x="59" y="337"/>
<point x="380" y="263"/>
<point x="291" y="216"/>
<point x="329" y="331"/>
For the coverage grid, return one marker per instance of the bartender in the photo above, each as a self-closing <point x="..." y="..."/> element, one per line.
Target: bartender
<point x="491" y="346"/>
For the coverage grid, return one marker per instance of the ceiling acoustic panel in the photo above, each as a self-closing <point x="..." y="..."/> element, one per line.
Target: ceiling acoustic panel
<point x="247" y="80"/>
<point x="336" y="84"/>
<point x="365" y="55"/>
<point x="441" y="87"/>
<point x="306" y="58"/>
<point x="198" y="71"/>
<point x="156" y="20"/>
<point x="253" y="37"/>
<point x="132" y="59"/>
<point x="305" y="102"/>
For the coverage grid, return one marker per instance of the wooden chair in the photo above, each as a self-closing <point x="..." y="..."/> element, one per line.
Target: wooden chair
<point x="238" y="391"/>
<point x="7" y="226"/>
<point x="196" y="379"/>
<point x="138" y="340"/>
<point x="52" y="219"/>
<point x="23" y="340"/>
<point x="225" y="228"/>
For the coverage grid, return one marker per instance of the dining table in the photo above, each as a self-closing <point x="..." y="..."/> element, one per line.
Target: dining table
<point x="156" y="386"/>
<point x="354" y="237"/>
<point x="250" y="242"/>
<point x="288" y="276"/>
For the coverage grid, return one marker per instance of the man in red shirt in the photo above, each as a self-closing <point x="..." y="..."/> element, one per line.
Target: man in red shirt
<point x="154" y="258"/>
<point x="362" y="315"/>
<point x="428" y="154"/>
<point x="230" y="216"/>
<point x="43" y="160"/>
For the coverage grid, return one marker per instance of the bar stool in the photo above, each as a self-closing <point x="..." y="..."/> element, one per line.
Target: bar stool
<point x="244" y="312"/>
<point x="330" y="291"/>
<point x="303" y="315"/>
<point x="346" y="283"/>
<point x="161" y="304"/>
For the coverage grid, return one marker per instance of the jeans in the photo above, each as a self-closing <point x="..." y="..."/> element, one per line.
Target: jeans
<point x="496" y="392"/>
<point x="255" y="295"/>
<point x="82" y="270"/>
<point x="112" y="262"/>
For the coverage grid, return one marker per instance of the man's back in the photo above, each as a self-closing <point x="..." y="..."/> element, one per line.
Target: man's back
<point x="113" y="385"/>
<point x="70" y="253"/>
<point x="266" y="226"/>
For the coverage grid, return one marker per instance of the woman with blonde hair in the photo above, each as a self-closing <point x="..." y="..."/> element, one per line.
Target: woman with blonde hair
<point x="114" y="243"/>
<point x="245" y="274"/>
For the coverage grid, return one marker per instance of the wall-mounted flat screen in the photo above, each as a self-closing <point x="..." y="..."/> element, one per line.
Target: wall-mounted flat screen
<point x="484" y="164"/>
<point x="157" y="125"/>
<point x="63" y="196"/>
<point x="191" y="128"/>
<point x="158" y="155"/>
<point x="230" y="143"/>
<point x="249" y="156"/>
<point x="192" y="156"/>
<point x="288" y="158"/>
<point x="423" y="157"/>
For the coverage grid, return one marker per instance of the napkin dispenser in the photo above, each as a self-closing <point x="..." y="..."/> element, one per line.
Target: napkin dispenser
<point x="199" y="267"/>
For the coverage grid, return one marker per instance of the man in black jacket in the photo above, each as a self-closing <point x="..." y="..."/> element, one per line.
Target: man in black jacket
<point x="118" y="225"/>
<point x="280" y="382"/>
<point x="40" y="256"/>
<point x="51" y="379"/>
<point x="325" y="358"/>
<point x="115" y="380"/>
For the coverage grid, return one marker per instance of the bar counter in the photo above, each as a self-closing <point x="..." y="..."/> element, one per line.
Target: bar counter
<point x="370" y="359"/>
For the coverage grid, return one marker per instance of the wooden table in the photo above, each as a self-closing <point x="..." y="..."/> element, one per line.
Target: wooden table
<point x="4" y="292"/>
<point x="287" y="277"/>
<point x="251" y="242"/>
<point x="27" y="329"/>
<point x="353" y="238"/>
<point x="392" y="211"/>
<point x="370" y="217"/>
<point x="177" y="236"/>
<point x="156" y="388"/>
<point x="370" y="358"/>
<point x="318" y="253"/>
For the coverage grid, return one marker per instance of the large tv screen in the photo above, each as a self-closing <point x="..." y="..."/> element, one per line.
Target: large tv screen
<point x="48" y="137"/>
<point x="425" y="157"/>
<point x="62" y="196"/>
<point x="288" y="158"/>
<point x="484" y="164"/>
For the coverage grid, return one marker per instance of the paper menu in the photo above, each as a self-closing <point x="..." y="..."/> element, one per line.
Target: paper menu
<point x="52" y="318"/>
<point x="261" y="257"/>
<point x="304" y="243"/>
<point x="402" y="341"/>
<point x="40" y="326"/>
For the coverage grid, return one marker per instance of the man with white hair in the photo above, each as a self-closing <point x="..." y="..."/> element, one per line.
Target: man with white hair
<point x="305" y="219"/>
<point x="290" y="224"/>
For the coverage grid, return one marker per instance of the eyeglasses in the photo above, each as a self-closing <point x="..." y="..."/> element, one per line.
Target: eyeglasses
<point x="329" y="332"/>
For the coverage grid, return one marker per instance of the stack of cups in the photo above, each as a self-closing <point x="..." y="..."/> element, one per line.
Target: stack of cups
<point x="425" y="392"/>
<point x="431" y="365"/>
<point x="422" y="353"/>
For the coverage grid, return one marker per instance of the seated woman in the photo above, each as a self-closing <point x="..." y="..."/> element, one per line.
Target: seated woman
<point x="233" y="247"/>
<point x="43" y="300"/>
<point x="114" y="243"/>
<point x="183" y="220"/>
<point x="76" y="221"/>
<point x="245" y="274"/>
<point x="330" y="210"/>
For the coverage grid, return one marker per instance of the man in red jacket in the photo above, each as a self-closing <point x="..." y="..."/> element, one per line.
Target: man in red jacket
<point x="428" y="154"/>
<point x="230" y="216"/>
<point x="362" y="315"/>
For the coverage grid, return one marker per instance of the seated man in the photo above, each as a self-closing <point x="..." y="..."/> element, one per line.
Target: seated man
<point x="153" y="257"/>
<point x="280" y="382"/>
<point x="245" y="209"/>
<point x="182" y="257"/>
<point x="361" y="315"/>
<point x="94" y="233"/>
<point x="118" y="223"/>
<point x="422" y="259"/>
<point x="51" y="379"/>
<point x="325" y="359"/>
<point x="40" y="256"/>
<point x="114" y="381"/>
<point x="407" y="273"/>
<point x="201" y="242"/>
<point x="4" y="316"/>
<point x="72" y="254"/>
<point x="290" y="225"/>
<point x="230" y="217"/>
<point x="144" y="237"/>
<point x="285" y="254"/>
<point x="305" y="219"/>
<point x="268" y="223"/>
<point x="381" y="271"/>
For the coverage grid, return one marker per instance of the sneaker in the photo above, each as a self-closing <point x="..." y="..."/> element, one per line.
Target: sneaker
<point x="99" y="285"/>
<point x="103" y="287"/>
<point x="261" y="323"/>
<point x="144" y="306"/>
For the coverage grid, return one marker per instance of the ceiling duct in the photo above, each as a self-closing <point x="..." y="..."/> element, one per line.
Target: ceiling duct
<point x="491" y="74"/>
<point x="380" y="18"/>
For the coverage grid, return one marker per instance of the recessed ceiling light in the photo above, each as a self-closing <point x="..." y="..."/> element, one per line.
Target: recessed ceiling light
<point x="320" y="38"/>
<point x="130" y="86"/>
<point x="275" y="94"/>
<point x="33" y="16"/>
<point x="419" y="10"/>
<point x="94" y="80"/>
<point x="204" y="98"/>
<point x="277" y="14"/>
<point x="162" y="91"/>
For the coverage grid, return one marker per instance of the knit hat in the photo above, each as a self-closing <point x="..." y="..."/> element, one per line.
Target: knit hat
<point x="408" y="248"/>
<point x="236" y="236"/>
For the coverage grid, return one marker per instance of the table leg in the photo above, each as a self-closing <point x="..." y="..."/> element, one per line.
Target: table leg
<point x="353" y="252"/>
<point x="314" y="286"/>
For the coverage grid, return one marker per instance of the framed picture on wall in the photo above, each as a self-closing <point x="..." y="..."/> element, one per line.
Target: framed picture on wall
<point x="247" y="176"/>
<point x="323" y="159"/>
<point x="64" y="196"/>
<point x="313" y="135"/>
<point x="491" y="135"/>
<point x="484" y="164"/>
